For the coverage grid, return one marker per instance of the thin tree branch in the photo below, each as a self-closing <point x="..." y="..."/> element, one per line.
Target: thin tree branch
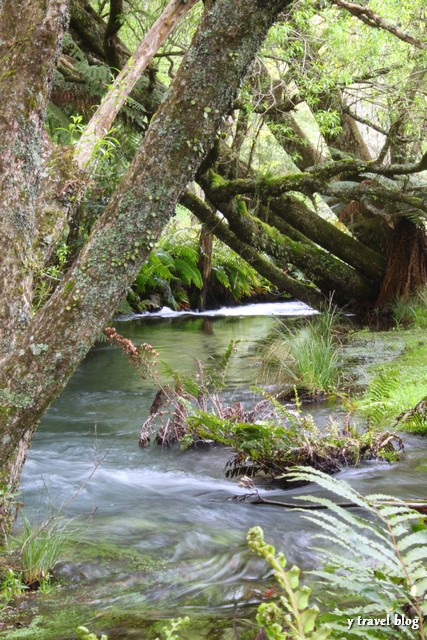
<point x="362" y="120"/>
<point x="111" y="104"/>
<point x="372" y="19"/>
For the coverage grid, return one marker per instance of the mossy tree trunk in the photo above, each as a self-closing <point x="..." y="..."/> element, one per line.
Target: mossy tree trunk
<point x="30" y="38"/>
<point x="61" y="333"/>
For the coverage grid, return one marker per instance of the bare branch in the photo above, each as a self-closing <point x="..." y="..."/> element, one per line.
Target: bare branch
<point x="362" y="120"/>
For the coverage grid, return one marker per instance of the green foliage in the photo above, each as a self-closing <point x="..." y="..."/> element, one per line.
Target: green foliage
<point x="169" y="630"/>
<point x="306" y="356"/>
<point x="412" y="311"/>
<point x="11" y="586"/>
<point x="380" y="391"/>
<point x="47" y="278"/>
<point x="74" y="129"/>
<point x="170" y="264"/>
<point x="41" y="547"/>
<point x="392" y="541"/>
<point x="172" y="270"/>
<point x="397" y="390"/>
<point x="84" y="634"/>
<point x="329" y="123"/>
<point x="285" y="437"/>
<point x="292" y="617"/>
<point x="235" y="274"/>
<point x="390" y="579"/>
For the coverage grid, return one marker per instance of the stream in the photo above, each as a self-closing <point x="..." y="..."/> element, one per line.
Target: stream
<point x="158" y="535"/>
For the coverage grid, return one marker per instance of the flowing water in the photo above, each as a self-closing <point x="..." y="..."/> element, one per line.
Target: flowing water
<point x="159" y="534"/>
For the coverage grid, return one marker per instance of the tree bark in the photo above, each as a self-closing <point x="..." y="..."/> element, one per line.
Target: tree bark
<point x="176" y="142"/>
<point x="30" y="38"/>
<point x="115" y="20"/>
<point x="205" y="266"/>
<point x="406" y="263"/>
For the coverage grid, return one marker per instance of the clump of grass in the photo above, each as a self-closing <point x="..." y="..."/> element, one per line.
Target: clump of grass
<point x="306" y="357"/>
<point x="41" y="548"/>
<point x="412" y="311"/>
<point x="32" y="556"/>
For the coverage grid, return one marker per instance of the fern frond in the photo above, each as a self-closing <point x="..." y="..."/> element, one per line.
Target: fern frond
<point x="392" y="574"/>
<point x="188" y="273"/>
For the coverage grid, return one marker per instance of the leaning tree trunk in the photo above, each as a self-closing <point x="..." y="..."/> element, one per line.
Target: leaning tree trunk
<point x="30" y="37"/>
<point x="63" y="331"/>
<point x="110" y="106"/>
<point x="69" y="171"/>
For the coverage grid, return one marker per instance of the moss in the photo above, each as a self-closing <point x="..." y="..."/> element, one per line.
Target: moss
<point x="216" y="180"/>
<point x="88" y="551"/>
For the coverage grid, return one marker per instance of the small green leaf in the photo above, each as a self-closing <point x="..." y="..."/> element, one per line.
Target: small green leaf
<point x="308" y="619"/>
<point x="293" y="576"/>
<point x="302" y="596"/>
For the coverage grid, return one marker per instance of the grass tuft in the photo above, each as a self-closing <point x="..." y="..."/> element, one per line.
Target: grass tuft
<point x="306" y="357"/>
<point x="411" y="312"/>
<point x="41" y="548"/>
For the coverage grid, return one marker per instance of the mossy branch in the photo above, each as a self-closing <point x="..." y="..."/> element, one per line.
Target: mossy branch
<point x="265" y="267"/>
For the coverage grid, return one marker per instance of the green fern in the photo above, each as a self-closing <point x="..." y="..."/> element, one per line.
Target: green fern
<point x="221" y="276"/>
<point x="188" y="273"/>
<point x="294" y="618"/>
<point x="392" y="542"/>
<point x="380" y="393"/>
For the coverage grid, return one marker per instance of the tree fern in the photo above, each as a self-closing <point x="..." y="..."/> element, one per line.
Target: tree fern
<point x="221" y="275"/>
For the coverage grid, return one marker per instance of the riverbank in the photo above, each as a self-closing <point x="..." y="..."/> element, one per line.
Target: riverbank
<point x="397" y="378"/>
